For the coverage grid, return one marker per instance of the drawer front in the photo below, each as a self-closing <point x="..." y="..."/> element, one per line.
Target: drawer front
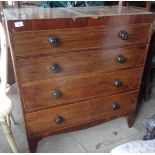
<point x="40" y="42"/>
<point x="76" y="88"/>
<point x="82" y="112"/>
<point x="36" y="69"/>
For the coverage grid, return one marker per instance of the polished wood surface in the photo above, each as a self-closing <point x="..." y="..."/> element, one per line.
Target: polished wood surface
<point x="44" y="121"/>
<point x="78" y="87"/>
<point x="37" y="19"/>
<point x="33" y="141"/>
<point x="56" y="13"/>
<point x="71" y="39"/>
<point x="101" y="60"/>
<point x="98" y="56"/>
<point x="48" y="24"/>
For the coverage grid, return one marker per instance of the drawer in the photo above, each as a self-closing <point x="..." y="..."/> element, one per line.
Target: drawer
<point x="54" y="41"/>
<point x="71" y="115"/>
<point x="78" y="87"/>
<point x="109" y="60"/>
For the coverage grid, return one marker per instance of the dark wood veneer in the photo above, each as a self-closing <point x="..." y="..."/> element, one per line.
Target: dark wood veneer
<point x="101" y="60"/>
<point x="80" y="38"/>
<point x="78" y="87"/>
<point x="48" y="24"/>
<point x="87" y="57"/>
<point x="79" y="113"/>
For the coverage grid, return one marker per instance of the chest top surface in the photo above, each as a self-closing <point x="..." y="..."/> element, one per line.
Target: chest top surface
<point x="60" y="18"/>
<point x="53" y="13"/>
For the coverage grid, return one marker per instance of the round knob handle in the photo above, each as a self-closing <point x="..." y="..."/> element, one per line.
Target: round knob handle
<point x="55" y="68"/>
<point x="120" y="59"/>
<point x="54" y="41"/>
<point x="56" y="94"/>
<point x="115" y="106"/>
<point x="123" y="35"/>
<point x="59" y="119"/>
<point x="118" y="83"/>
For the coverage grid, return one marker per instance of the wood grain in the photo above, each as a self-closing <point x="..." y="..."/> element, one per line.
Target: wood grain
<point x="36" y="42"/>
<point x="89" y="45"/>
<point x="48" y="24"/>
<point x="43" y="121"/>
<point x="73" y="12"/>
<point x="33" y="140"/>
<point x="33" y="69"/>
<point x="78" y="87"/>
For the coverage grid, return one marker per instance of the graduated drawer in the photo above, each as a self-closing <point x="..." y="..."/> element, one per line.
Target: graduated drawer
<point x="58" y="91"/>
<point x="49" y="41"/>
<point x="104" y="108"/>
<point x="50" y="67"/>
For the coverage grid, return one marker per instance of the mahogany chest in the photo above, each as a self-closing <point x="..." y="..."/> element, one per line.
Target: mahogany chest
<point x="78" y="67"/>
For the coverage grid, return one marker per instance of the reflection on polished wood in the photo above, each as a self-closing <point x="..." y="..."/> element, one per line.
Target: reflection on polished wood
<point x="55" y="13"/>
<point x="77" y="67"/>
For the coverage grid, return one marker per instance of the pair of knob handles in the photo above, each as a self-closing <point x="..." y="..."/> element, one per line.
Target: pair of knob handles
<point x="57" y="94"/>
<point x="55" y="68"/>
<point x="54" y="41"/>
<point x="59" y="119"/>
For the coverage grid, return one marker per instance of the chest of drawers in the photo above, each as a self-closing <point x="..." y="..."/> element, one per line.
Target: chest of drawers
<point x="76" y="68"/>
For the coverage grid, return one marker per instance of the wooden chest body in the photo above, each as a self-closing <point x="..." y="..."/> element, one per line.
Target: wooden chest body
<point x="77" y="68"/>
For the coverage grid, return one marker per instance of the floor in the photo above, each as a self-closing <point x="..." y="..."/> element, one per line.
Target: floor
<point x="101" y="138"/>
